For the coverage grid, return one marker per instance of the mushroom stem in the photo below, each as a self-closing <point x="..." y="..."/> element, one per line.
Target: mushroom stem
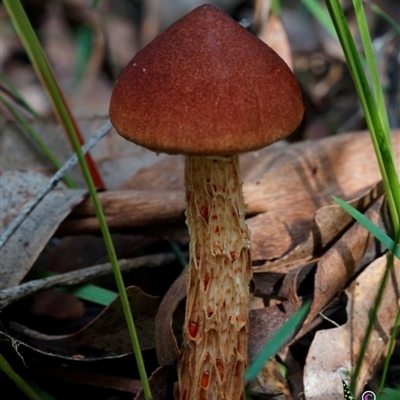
<point x="214" y="355"/>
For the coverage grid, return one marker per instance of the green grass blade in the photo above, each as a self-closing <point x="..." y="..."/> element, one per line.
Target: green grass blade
<point x="276" y="7"/>
<point x="95" y="3"/>
<point x="378" y="136"/>
<point x="381" y="140"/>
<point x="21" y="384"/>
<point x="392" y="343"/>
<point x="372" y="68"/>
<point x="283" y="334"/>
<point x="316" y="9"/>
<point x="371" y="322"/>
<point x="84" y="50"/>
<point x="372" y="228"/>
<point x="37" y="139"/>
<point x="92" y="293"/>
<point x="13" y="91"/>
<point x="376" y="9"/>
<point x="47" y="77"/>
<point x="88" y="292"/>
<point x="178" y="253"/>
<point x="389" y="394"/>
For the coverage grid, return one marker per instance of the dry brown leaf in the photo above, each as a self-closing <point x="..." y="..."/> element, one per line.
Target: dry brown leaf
<point x="105" y="336"/>
<point x="328" y="223"/>
<point x="333" y="352"/>
<point x="121" y="208"/>
<point x="270" y="383"/>
<point x="27" y="242"/>
<point x="169" y="320"/>
<point x="58" y="305"/>
<point x="264" y="322"/>
<point x="54" y="370"/>
<point x="355" y="249"/>
<point x="325" y="278"/>
<point x="273" y="33"/>
<point x="285" y="185"/>
<point x="166" y="341"/>
<point x="165" y="174"/>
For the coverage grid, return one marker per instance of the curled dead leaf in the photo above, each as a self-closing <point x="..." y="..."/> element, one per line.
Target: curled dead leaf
<point x="27" y="242"/>
<point x="333" y="352"/>
<point x="105" y="336"/>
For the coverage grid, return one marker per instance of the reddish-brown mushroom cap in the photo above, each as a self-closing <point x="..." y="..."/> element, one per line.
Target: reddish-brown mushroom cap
<point x="206" y="86"/>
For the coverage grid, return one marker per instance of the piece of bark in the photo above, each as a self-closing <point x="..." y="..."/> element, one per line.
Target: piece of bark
<point x="127" y="209"/>
<point x="289" y="184"/>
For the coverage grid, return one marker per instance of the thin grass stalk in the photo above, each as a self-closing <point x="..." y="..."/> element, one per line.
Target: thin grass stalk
<point x="317" y="10"/>
<point x="371" y="322"/>
<point x="376" y="9"/>
<point x="178" y="254"/>
<point x="392" y="342"/>
<point x="47" y="78"/>
<point x="95" y="3"/>
<point x="25" y="125"/>
<point x="381" y="140"/>
<point x="21" y="384"/>
<point x="382" y="149"/>
<point x="387" y="241"/>
<point x="276" y="7"/>
<point x="84" y="42"/>
<point x="393" y="335"/>
<point x="373" y="69"/>
<point x="23" y="27"/>
<point x="10" y="89"/>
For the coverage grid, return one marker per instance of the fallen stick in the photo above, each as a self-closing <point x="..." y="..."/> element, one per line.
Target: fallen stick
<point x="84" y="275"/>
<point x="129" y="209"/>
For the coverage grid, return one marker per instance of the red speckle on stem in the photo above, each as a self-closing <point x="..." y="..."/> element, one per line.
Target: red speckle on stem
<point x="205" y="379"/>
<point x="237" y="369"/>
<point x="217" y="229"/>
<point x="220" y="368"/>
<point x="203" y="210"/>
<point x="193" y="328"/>
<point x="215" y="187"/>
<point x="210" y="314"/>
<point x="206" y="281"/>
<point x="233" y="255"/>
<point x="214" y="216"/>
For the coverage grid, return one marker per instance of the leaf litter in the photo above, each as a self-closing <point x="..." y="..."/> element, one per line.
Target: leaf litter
<point x="333" y="352"/>
<point x="291" y="279"/>
<point x="299" y="275"/>
<point x="25" y="245"/>
<point x="299" y="237"/>
<point x="105" y="336"/>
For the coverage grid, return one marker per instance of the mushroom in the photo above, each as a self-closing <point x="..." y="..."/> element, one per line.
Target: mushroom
<point x="209" y="89"/>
